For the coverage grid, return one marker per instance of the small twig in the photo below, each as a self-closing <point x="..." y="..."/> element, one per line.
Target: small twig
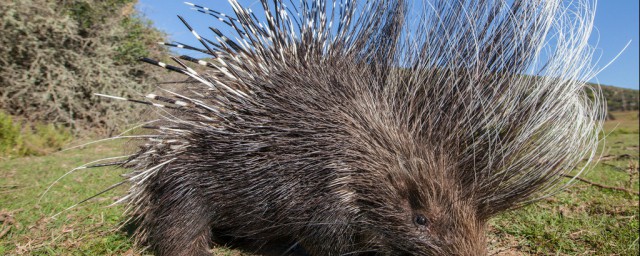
<point x="5" y="230"/>
<point x="600" y="185"/>
<point x="7" y="222"/>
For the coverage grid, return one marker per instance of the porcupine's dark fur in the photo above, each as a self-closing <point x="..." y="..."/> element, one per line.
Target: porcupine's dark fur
<point x="359" y="128"/>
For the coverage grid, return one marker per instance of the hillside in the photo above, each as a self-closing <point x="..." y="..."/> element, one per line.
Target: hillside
<point x="620" y="99"/>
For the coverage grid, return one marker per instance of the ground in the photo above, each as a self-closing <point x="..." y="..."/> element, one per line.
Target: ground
<point x="598" y="216"/>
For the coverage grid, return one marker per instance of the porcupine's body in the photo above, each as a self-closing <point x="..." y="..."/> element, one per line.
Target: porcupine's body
<point x="352" y="128"/>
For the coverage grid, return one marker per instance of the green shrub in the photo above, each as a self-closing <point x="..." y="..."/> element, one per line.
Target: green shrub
<point x="9" y="134"/>
<point x="25" y="140"/>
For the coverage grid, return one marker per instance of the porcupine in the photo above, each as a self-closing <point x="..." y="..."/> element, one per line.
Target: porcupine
<point x="375" y="127"/>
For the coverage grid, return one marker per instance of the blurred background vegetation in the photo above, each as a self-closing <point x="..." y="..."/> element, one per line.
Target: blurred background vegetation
<point x="620" y="99"/>
<point x="56" y="54"/>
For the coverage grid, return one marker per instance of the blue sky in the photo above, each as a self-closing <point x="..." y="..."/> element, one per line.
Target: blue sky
<point x="616" y="24"/>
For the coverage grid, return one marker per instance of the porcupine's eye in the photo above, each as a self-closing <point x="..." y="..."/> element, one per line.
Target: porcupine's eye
<point x="421" y="220"/>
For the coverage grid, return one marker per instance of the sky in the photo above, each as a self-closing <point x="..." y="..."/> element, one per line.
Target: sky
<point x="616" y="25"/>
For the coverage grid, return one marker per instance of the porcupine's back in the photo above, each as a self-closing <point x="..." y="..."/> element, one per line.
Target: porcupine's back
<point x="326" y="112"/>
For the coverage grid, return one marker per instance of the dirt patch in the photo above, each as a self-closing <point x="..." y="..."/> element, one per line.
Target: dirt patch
<point x="503" y="244"/>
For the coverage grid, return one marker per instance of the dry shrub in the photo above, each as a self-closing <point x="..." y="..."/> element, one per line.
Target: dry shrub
<point x="57" y="54"/>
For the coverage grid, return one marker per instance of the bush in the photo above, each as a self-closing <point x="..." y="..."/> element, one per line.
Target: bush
<point x="57" y="54"/>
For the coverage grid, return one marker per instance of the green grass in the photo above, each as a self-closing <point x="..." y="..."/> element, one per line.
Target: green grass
<point x="583" y="219"/>
<point x="89" y="229"/>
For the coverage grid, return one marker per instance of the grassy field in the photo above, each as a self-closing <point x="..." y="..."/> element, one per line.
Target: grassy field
<point x="584" y="219"/>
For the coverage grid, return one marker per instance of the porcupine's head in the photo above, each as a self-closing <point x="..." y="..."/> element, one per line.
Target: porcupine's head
<point x="422" y="110"/>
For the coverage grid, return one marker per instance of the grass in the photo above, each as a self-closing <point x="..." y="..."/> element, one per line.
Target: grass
<point x="17" y="139"/>
<point x="88" y="229"/>
<point x="583" y="219"/>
